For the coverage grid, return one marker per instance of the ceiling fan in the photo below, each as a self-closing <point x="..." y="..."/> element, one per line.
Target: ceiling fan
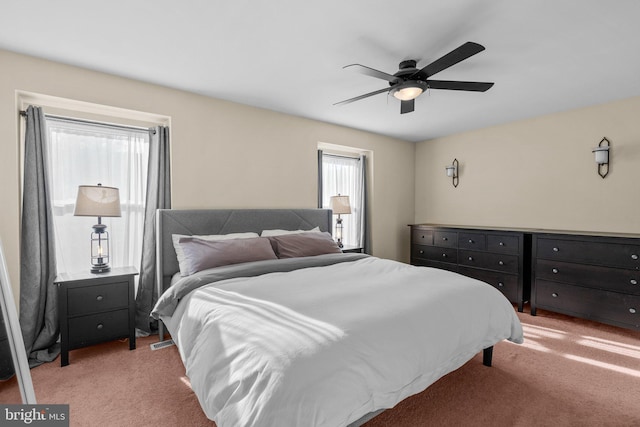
<point x="409" y="82"/>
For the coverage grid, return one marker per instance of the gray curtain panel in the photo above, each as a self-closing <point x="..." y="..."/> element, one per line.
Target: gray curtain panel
<point x="364" y="223"/>
<point x="158" y="197"/>
<point x="320" y="191"/>
<point x="38" y="295"/>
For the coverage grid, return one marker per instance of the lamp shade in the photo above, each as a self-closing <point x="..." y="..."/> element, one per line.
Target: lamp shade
<point x="97" y="200"/>
<point x="340" y="205"/>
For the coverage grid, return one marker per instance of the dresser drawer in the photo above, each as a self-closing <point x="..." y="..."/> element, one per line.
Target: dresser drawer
<point x="611" y="307"/>
<point x="447" y="239"/>
<point x="607" y="278"/>
<point x="505" y="283"/>
<point x="421" y="237"/>
<point x="434" y="253"/>
<point x="497" y="262"/>
<point x="94" y="328"/>
<point x="587" y="252"/>
<point x="96" y="298"/>
<point x="503" y="244"/>
<point x="474" y="241"/>
<point x="435" y="264"/>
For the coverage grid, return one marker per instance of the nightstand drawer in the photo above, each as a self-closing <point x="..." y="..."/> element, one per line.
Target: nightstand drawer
<point x="97" y="298"/>
<point x="97" y="328"/>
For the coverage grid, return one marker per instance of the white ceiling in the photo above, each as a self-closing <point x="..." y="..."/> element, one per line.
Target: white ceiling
<point x="544" y="56"/>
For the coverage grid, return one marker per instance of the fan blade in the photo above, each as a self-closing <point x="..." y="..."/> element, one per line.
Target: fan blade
<point x="454" y="85"/>
<point x="452" y="58"/>
<point x="407" y="106"/>
<point x="366" y="95"/>
<point x="372" y="72"/>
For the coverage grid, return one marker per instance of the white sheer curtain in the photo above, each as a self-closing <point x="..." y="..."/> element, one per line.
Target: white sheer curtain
<point x="344" y="175"/>
<point x="87" y="154"/>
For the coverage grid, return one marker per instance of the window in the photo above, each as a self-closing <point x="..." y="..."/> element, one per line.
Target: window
<point x="344" y="175"/>
<point x="88" y="153"/>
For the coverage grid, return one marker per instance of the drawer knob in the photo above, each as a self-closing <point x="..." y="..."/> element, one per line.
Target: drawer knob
<point x="100" y="326"/>
<point x="501" y="243"/>
<point x="556" y="249"/>
<point x="99" y="298"/>
<point x="421" y="252"/>
<point x="422" y="237"/>
<point x="554" y="270"/>
<point x="444" y="255"/>
<point x="555" y="295"/>
<point x="633" y="281"/>
<point x="470" y="258"/>
<point x="500" y="284"/>
<point x="444" y="238"/>
<point x="501" y="262"/>
<point x="470" y="241"/>
<point x="632" y="310"/>
<point x="634" y="256"/>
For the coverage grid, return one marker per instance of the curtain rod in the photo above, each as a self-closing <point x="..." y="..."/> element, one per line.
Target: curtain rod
<point x="23" y="113"/>
<point x="342" y="156"/>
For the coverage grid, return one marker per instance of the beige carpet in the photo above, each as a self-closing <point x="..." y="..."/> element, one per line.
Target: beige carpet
<point x="569" y="372"/>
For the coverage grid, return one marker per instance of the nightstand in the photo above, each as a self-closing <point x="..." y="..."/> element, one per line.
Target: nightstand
<point x="351" y="249"/>
<point x="95" y="308"/>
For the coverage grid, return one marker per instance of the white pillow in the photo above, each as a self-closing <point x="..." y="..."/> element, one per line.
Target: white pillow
<point x="184" y="267"/>
<point x="268" y="233"/>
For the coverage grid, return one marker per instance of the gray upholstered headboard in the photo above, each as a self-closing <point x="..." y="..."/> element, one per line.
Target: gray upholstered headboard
<point x="224" y="221"/>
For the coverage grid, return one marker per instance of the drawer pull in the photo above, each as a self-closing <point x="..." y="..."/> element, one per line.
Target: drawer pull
<point x="421" y="252"/>
<point x="632" y="310"/>
<point x="470" y="241"/>
<point x="500" y="284"/>
<point x="501" y="243"/>
<point x="633" y="281"/>
<point x="445" y="239"/>
<point x="556" y="250"/>
<point x="555" y="295"/>
<point x="444" y="255"/>
<point x="422" y="237"/>
<point x="470" y="258"/>
<point x="100" y="326"/>
<point x="554" y="270"/>
<point x="99" y="298"/>
<point x="501" y="262"/>
<point x="634" y="256"/>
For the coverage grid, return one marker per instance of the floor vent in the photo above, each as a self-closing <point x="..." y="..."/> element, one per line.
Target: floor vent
<point x="161" y="344"/>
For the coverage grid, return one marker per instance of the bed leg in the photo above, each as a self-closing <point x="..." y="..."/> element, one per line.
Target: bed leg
<point x="160" y="331"/>
<point x="487" y="355"/>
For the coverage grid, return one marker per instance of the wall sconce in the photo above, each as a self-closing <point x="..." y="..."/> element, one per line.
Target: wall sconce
<point x="601" y="153"/>
<point x="452" y="172"/>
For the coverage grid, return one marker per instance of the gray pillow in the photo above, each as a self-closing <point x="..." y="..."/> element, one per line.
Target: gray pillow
<point x="304" y="244"/>
<point x="201" y="254"/>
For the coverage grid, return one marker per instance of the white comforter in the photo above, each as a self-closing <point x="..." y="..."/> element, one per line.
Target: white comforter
<point x="324" y="346"/>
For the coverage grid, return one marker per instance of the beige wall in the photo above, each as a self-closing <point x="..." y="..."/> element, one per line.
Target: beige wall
<point x="224" y="154"/>
<point x="537" y="173"/>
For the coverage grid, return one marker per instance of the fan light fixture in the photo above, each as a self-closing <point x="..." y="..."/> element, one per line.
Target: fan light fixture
<point x="408" y="90"/>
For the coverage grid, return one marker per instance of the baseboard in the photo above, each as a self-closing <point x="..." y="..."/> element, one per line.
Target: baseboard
<point x="161" y="344"/>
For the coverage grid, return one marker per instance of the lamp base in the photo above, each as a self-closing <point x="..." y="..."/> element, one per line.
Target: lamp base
<point x="102" y="268"/>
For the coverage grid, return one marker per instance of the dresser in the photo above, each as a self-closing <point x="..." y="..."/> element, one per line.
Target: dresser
<point x="589" y="276"/>
<point x="94" y="308"/>
<point x="499" y="257"/>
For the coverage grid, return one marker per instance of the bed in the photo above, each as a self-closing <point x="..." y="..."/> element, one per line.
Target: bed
<point x="327" y="339"/>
